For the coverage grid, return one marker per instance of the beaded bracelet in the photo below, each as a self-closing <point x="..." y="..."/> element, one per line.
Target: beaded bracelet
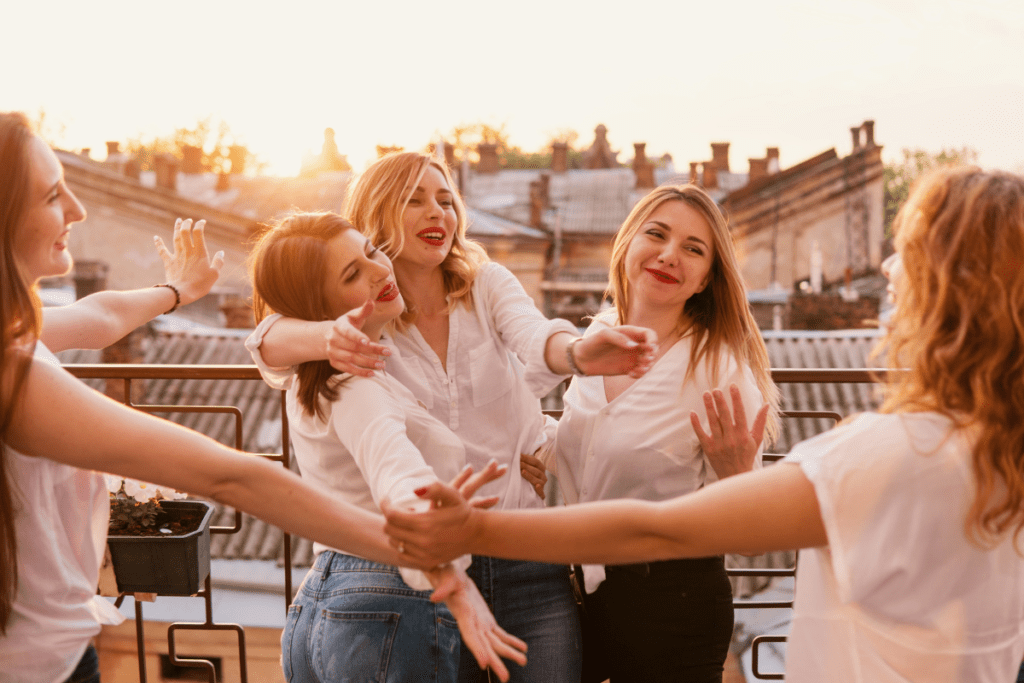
<point x="570" y="357"/>
<point x="177" y="296"/>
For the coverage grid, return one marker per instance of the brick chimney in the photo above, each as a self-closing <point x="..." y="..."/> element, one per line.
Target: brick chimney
<point x="237" y="154"/>
<point x="237" y="312"/>
<point x="223" y="182"/>
<point x="132" y="168"/>
<point x="449" y="154"/>
<point x="643" y="169"/>
<point x="710" y="176"/>
<point x="192" y="159"/>
<point x="559" y="157"/>
<point x="772" y="157"/>
<point x="166" y="171"/>
<point x="90" y="277"/>
<point x="693" y="171"/>
<point x="719" y="156"/>
<point x="869" y="133"/>
<point x="86" y="151"/>
<point x="855" y="134"/>
<point x="758" y="169"/>
<point x="539" y="200"/>
<point x="488" y="152"/>
<point x="113" y="148"/>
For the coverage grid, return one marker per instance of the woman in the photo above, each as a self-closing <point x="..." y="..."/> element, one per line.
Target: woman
<point x="53" y="501"/>
<point x="369" y="440"/>
<point x="673" y="270"/>
<point x="473" y="349"/>
<point x="912" y="515"/>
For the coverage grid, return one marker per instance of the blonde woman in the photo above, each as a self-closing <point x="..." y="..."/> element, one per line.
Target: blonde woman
<point x="910" y="517"/>
<point x="473" y="349"/>
<point x="57" y="436"/>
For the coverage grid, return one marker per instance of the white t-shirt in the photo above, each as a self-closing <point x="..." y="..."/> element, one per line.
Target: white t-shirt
<point x="641" y="445"/>
<point x="496" y="374"/>
<point x="900" y="594"/>
<point x="375" y="442"/>
<point x="61" y="515"/>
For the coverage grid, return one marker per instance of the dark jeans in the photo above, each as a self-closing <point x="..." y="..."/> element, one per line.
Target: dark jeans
<point x="662" y="621"/>
<point x="88" y="669"/>
<point x="533" y="601"/>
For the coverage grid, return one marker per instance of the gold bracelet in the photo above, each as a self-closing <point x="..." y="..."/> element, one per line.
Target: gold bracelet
<point x="570" y="357"/>
<point x="177" y="296"/>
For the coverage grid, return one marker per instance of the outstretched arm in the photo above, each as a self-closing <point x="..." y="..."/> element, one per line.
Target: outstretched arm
<point x="770" y="509"/>
<point x="100" y="319"/>
<point x="622" y="350"/>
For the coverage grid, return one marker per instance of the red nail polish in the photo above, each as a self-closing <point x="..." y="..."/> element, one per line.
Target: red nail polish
<point x="420" y="491"/>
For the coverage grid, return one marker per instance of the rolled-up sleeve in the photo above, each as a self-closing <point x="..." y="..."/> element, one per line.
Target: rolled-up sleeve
<point x="276" y="377"/>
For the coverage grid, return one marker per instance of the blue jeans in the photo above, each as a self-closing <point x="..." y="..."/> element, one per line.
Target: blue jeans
<point x="356" y="620"/>
<point x="533" y="601"/>
<point x="88" y="669"/>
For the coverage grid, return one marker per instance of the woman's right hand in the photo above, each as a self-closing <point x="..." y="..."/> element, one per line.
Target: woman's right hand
<point x="349" y="349"/>
<point x="730" y="447"/>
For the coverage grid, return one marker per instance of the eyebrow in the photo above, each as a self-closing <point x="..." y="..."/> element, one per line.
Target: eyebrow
<point x="691" y="238"/>
<point x="441" y="190"/>
<point x="352" y="263"/>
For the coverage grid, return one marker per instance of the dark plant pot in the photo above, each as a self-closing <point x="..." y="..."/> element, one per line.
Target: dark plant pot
<point x="165" y="565"/>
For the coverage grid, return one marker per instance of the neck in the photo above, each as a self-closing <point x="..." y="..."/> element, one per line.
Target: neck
<point x="428" y="284"/>
<point x="667" y="322"/>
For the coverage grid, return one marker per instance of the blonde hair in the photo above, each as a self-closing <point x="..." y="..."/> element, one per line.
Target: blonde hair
<point x="719" y="314"/>
<point x="958" y="329"/>
<point x="375" y="206"/>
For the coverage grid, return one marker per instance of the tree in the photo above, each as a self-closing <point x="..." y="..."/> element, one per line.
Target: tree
<point x="899" y="176"/>
<point x="214" y="139"/>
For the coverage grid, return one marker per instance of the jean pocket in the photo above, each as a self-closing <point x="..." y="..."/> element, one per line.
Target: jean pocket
<point x="353" y="646"/>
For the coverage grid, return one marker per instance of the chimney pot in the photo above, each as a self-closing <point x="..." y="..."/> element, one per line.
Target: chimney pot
<point x="449" y="154"/>
<point x="855" y="133"/>
<point x="758" y="169"/>
<point x="559" y="157"/>
<point x="166" y="171"/>
<point x="113" y="147"/>
<point x="488" y="152"/>
<point x="710" y="176"/>
<point x="869" y="133"/>
<point x="643" y="169"/>
<point x="693" y="171"/>
<point x="192" y="159"/>
<point x="85" y="152"/>
<point x="132" y="169"/>
<point x="720" y="156"/>
<point x="223" y="182"/>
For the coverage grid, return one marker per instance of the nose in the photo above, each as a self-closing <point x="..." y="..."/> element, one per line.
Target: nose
<point x="669" y="254"/>
<point x="379" y="271"/>
<point x="889" y="264"/>
<point x="73" y="209"/>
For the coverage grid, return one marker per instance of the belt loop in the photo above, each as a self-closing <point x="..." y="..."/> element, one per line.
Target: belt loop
<point x="327" y="569"/>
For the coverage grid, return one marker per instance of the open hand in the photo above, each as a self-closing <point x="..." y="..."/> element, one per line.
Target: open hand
<point x="189" y="268"/>
<point x="621" y="350"/>
<point x="730" y="447"/>
<point x="438" y="535"/>
<point x="349" y="349"/>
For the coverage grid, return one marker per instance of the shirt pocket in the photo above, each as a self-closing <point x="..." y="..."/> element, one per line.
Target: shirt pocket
<point x="490" y="373"/>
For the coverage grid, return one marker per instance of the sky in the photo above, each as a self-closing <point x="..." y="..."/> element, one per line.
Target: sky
<point x="793" y="74"/>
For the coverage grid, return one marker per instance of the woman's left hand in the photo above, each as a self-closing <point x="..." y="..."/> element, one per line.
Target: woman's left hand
<point x="533" y="472"/>
<point x="621" y="350"/>
<point x="730" y="448"/>
<point x="189" y="268"/>
<point x="480" y="631"/>
<point x="439" y="535"/>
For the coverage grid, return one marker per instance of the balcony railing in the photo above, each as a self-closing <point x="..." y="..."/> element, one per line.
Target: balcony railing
<point x="132" y="373"/>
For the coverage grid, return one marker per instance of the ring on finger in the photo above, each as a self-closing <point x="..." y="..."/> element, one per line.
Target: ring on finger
<point x="401" y="547"/>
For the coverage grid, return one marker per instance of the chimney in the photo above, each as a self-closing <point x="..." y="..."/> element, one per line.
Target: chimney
<point x="869" y="133"/>
<point x="192" y="159"/>
<point x="223" y="182"/>
<point x="132" y="168"/>
<point x="855" y="133"/>
<point x="643" y="169"/>
<point x="488" y="152"/>
<point x="113" y="148"/>
<point x="710" y="176"/>
<point x="85" y="152"/>
<point x="166" y="171"/>
<point x="693" y="171"/>
<point x="758" y="169"/>
<point x="536" y="205"/>
<point x="719" y="156"/>
<point x="237" y="312"/>
<point x="449" y="154"/>
<point x="772" y="157"/>
<point x="559" y="157"/>
<point x="237" y="154"/>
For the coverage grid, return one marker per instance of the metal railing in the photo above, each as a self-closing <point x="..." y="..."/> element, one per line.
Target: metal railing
<point x="130" y="373"/>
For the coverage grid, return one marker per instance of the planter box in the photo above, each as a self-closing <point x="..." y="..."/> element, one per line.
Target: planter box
<point x="165" y="565"/>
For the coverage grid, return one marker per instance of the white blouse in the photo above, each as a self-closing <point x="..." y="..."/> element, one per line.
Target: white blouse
<point x="900" y="594"/>
<point x="375" y="442"/>
<point x="496" y="375"/>
<point x="641" y="444"/>
<point x="60" y="520"/>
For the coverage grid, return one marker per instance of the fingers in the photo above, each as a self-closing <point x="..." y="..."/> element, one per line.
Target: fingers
<point x="702" y="436"/>
<point x="440" y="495"/>
<point x="760" y="421"/>
<point x="714" y="417"/>
<point x="739" y="412"/>
<point x="359" y="315"/>
<point x="488" y="474"/>
<point x="198" y="241"/>
<point x="484" y="503"/>
<point x="461" y="477"/>
<point x="218" y="261"/>
<point x="508" y="646"/>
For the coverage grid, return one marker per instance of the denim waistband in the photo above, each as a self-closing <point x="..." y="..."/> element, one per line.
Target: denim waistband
<point x="331" y="561"/>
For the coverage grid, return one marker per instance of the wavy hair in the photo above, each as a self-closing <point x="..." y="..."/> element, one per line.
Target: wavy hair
<point x="375" y="206"/>
<point x="20" y="322"/>
<point x="719" y="315"/>
<point x="958" y="329"/>
<point x="288" y="268"/>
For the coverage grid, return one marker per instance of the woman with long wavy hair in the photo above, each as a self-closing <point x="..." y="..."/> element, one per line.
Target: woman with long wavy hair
<point x="910" y="517"/>
<point x="57" y="436"/>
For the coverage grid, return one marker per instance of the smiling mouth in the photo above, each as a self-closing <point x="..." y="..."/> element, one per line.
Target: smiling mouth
<point x="389" y="293"/>
<point x="432" y="236"/>
<point x="662" y="277"/>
